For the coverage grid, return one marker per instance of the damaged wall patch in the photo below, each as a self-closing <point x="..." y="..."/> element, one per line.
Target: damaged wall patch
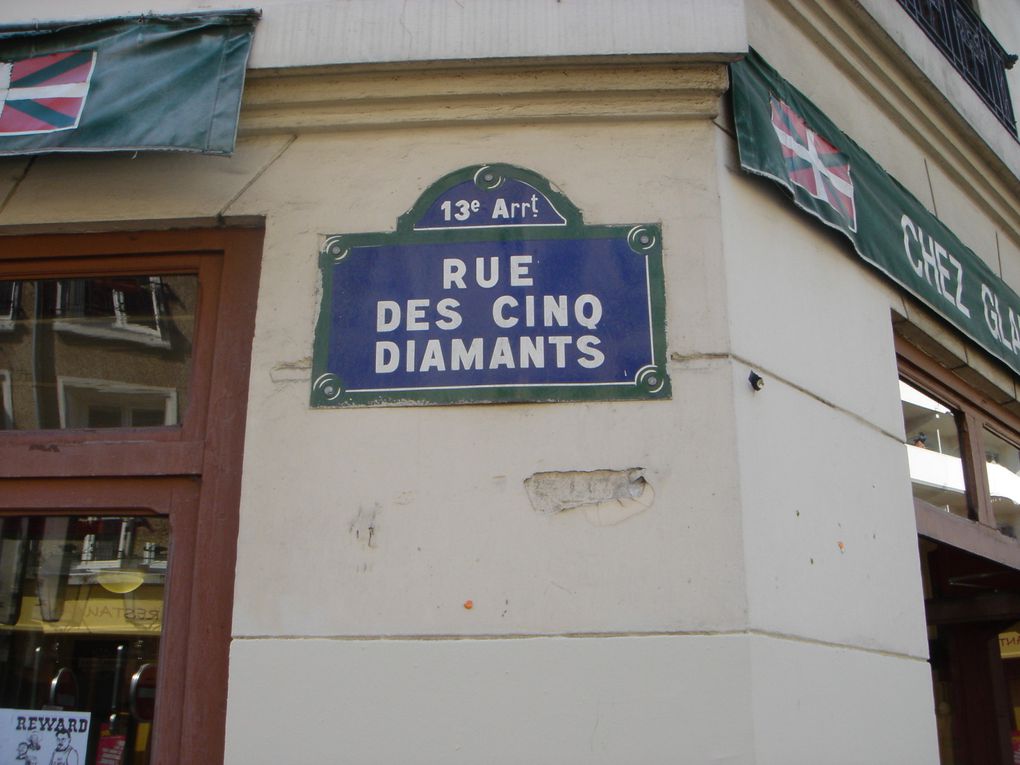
<point x="606" y="497"/>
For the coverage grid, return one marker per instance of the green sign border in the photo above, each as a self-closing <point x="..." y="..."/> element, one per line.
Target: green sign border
<point x="652" y="383"/>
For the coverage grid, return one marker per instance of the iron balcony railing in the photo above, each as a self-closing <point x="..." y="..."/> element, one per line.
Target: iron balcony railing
<point x="972" y="49"/>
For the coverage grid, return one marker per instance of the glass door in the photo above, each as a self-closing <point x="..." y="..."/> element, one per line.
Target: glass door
<point x="80" y="630"/>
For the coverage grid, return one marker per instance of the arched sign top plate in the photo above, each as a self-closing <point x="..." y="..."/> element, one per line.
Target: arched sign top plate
<point x="490" y="196"/>
<point x="491" y="289"/>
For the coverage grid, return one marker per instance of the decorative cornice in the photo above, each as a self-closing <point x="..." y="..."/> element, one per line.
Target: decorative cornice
<point x="353" y="98"/>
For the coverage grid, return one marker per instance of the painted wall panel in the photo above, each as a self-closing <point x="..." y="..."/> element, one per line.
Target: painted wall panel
<point x="1009" y="254"/>
<point x="399" y="516"/>
<point x="441" y="491"/>
<point x="561" y="700"/>
<point x="820" y="447"/>
<point x="615" y="174"/>
<point x="125" y="187"/>
<point x="817" y="703"/>
<point x="11" y="170"/>
<point x="829" y="533"/>
<point x="964" y="217"/>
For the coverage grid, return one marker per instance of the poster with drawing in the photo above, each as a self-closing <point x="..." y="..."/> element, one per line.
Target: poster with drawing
<point x="43" y="737"/>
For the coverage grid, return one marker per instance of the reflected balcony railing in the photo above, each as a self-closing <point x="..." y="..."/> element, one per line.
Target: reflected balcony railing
<point x="938" y="480"/>
<point x="971" y="48"/>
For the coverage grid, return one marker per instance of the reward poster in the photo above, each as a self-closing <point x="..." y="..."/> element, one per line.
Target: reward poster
<point x="43" y="737"/>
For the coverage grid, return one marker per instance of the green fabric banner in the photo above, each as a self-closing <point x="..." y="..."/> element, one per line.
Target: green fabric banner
<point x="146" y="83"/>
<point x="785" y="137"/>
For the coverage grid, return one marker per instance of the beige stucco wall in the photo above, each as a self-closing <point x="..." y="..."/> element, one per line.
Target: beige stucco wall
<point x="408" y="513"/>
<point x="363" y="532"/>
<point x="738" y="556"/>
<point x="830" y="543"/>
<point x="443" y="488"/>
<point x="411" y="512"/>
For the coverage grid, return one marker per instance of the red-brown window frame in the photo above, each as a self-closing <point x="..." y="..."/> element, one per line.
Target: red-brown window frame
<point x="191" y="473"/>
<point x="974" y="413"/>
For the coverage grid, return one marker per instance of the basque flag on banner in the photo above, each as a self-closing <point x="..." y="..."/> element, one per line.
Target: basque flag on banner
<point x="813" y="163"/>
<point x="157" y="83"/>
<point x="784" y="136"/>
<point x="44" y="94"/>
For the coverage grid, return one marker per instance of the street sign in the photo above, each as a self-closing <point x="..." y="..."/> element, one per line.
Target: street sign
<point x="491" y="289"/>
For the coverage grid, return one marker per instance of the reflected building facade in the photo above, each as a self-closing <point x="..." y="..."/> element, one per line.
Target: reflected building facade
<point x="109" y="352"/>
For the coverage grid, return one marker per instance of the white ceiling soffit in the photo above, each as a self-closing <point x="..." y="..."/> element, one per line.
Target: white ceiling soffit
<point x="316" y="32"/>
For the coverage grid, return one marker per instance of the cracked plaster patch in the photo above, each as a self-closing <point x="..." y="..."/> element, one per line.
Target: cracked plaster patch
<point x="605" y="497"/>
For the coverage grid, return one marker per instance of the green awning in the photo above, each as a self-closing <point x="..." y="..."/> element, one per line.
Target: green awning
<point x="126" y="84"/>
<point x="782" y="135"/>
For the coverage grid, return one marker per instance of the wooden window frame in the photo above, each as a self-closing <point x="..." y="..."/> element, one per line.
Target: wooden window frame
<point x="974" y="413"/>
<point x="189" y="472"/>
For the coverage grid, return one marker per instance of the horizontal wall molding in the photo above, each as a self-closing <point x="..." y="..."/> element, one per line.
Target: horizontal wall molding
<point x="329" y="99"/>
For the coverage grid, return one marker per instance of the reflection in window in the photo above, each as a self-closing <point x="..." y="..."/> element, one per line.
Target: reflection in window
<point x="81" y="614"/>
<point x="8" y="304"/>
<point x="105" y="352"/>
<point x="1002" y="464"/>
<point x="6" y="409"/>
<point x="102" y="404"/>
<point x="933" y="451"/>
<point x="124" y="307"/>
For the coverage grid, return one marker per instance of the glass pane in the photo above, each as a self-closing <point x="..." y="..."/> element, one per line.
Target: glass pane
<point x="8" y="300"/>
<point x="933" y="450"/>
<point x="81" y="614"/>
<point x="1002" y="463"/>
<point x="110" y="352"/>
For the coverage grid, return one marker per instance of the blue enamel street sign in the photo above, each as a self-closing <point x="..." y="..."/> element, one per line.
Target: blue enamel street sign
<point x="491" y="289"/>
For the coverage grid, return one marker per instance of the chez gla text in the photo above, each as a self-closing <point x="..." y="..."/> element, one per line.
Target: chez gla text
<point x="933" y="263"/>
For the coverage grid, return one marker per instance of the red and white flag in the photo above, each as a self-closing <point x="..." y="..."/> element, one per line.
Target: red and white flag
<point x="44" y="94"/>
<point x="814" y="164"/>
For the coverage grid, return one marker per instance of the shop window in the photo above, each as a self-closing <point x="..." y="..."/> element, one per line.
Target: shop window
<point x="973" y="608"/>
<point x="963" y="457"/>
<point x="120" y="463"/>
<point x="964" y="464"/>
<point x="933" y="451"/>
<point x="82" y="633"/>
<point x="1002" y="467"/>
